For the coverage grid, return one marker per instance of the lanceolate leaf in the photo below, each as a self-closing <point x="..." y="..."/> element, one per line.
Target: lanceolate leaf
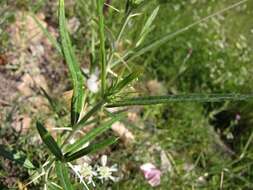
<point x="179" y="98"/>
<point x="75" y="71"/>
<point x="62" y="173"/>
<point x="90" y="149"/>
<point x="93" y="134"/>
<point x="49" y="141"/>
<point x="16" y="157"/>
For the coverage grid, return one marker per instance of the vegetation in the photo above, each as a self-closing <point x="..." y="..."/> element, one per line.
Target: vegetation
<point x="87" y="85"/>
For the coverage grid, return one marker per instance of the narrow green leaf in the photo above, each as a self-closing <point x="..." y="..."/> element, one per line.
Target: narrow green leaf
<point x="48" y="35"/>
<point x="75" y="71"/>
<point x="49" y="141"/>
<point x="93" y="134"/>
<point x="90" y="149"/>
<point x="102" y="53"/>
<point x="147" y="27"/>
<point x="179" y="98"/>
<point x="62" y="173"/>
<point x="16" y="156"/>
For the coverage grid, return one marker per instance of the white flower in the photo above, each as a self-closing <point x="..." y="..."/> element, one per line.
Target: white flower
<point x="86" y="172"/>
<point x="105" y="172"/>
<point x="93" y="79"/>
<point x="77" y="168"/>
<point x="92" y="83"/>
<point x="72" y="141"/>
<point x="73" y="25"/>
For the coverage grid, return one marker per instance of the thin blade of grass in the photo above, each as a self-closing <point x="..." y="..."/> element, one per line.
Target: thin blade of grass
<point x="151" y="100"/>
<point x="53" y="186"/>
<point x="62" y="173"/>
<point x="91" y="149"/>
<point x="245" y="148"/>
<point x="16" y="157"/>
<point x="75" y="71"/>
<point x="102" y="53"/>
<point x="49" y="141"/>
<point x="146" y="28"/>
<point x="93" y="134"/>
<point x="50" y="37"/>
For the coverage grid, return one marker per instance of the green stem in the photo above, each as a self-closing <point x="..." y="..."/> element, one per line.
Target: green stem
<point x="152" y="100"/>
<point x="102" y="54"/>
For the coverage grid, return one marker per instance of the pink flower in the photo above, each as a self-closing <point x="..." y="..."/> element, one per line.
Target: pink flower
<point x="237" y="117"/>
<point x="151" y="174"/>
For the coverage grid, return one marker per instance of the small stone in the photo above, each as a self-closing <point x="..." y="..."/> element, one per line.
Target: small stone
<point x="27" y="83"/>
<point x="22" y="123"/>
<point x="73" y="25"/>
<point x="121" y="130"/>
<point x="155" y="87"/>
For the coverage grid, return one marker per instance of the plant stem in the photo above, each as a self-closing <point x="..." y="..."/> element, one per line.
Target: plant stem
<point x="102" y="54"/>
<point x="152" y="100"/>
